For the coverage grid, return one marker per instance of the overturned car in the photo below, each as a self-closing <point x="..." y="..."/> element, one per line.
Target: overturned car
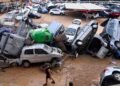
<point x="84" y="36"/>
<point x="108" y="41"/>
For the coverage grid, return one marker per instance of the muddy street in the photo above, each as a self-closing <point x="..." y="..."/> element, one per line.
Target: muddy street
<point x="83" y="70"/>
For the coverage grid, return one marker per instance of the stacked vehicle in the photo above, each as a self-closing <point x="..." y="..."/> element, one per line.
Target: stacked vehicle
<point x="108" y="41"/>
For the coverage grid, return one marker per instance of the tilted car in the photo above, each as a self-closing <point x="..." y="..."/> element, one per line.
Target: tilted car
<point x="56" y="11"/>
<point x="71" y="32"/>
<point x="84" y="36"/>
<point x="110" y="76"/>
<point x="108" y="40"/>
<point x="38" y="53"/>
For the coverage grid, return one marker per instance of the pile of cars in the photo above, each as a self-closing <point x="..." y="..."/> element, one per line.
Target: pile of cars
<point x="108" y="41"/>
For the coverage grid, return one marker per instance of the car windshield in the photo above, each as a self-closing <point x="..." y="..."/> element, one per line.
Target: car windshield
<point x="70" y="31"/>
<point x="47" y="48"/>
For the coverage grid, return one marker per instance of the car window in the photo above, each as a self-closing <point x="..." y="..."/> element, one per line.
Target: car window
<point x="49" y="49"/>
<point x="70" y="31"/>
<point x="29" y="51"/>
<point x="40" y="51"/>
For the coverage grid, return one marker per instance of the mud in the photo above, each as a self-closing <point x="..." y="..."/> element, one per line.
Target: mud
<point x="83" y="71"/>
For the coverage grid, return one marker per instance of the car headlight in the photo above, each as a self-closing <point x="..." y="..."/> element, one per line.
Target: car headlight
<point x="79" y="43"/>
<point x="95" y="26"/>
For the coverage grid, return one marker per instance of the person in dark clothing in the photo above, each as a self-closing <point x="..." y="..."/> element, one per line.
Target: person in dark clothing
<point x="48" y="76"/>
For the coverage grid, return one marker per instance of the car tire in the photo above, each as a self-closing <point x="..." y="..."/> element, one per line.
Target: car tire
<point x="54" y="62"/>
<point x="62" y="14"/>
<point x="116" y="76"/>
<point x="26" y="64"/>
<point x="51" y="13"/>
<point x="76" y="54"/>
<point x="14" y="64"/>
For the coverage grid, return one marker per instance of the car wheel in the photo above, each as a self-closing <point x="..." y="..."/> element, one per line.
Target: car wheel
<point x="14" y="64"/>
<point x="116" y="76"/>
<point x="76" y="54"/>
<point x="61" y="13"/>
<point x="25" y="64"/>
<point x="51" y="13"/>
<point x="54" y="62"/>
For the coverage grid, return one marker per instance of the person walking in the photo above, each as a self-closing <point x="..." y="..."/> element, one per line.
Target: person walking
<point x="48" y="76"/>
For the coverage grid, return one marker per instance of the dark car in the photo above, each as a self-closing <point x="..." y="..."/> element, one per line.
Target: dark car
<point x="114" y="9"/>
<point x="2" y="7"/>
<point x="42" y="10"/>
<point x="108" y="41"/>
<point x="110" y="76"/>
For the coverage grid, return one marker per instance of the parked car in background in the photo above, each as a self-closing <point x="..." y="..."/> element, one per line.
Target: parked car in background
<point x="3" y="7"/>
<point x="72" y="31"/>
<point x="110" y="76"/>
<point x="9" y="19"/>
<point x="38" y="53"/>
<point x="57" y="11"/>
<point x="34" y="15"/>
<point x="42" y="9"/>
<point x="8" y="22"/>
<point x="35" y="7"/>
<point x="114" y="9"/>
<point x="19" y="16"/>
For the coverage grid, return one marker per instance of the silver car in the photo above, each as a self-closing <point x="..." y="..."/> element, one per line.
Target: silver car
<point x="38" y="53"/>
<point x="110" y="76"/>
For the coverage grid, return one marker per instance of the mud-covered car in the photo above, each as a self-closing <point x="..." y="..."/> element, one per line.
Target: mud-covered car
<point x="38" y="53"/>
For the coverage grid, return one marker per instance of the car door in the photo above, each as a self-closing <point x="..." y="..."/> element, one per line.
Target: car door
<point x="42" y="55"/>
<point x="28" y="55"/>
<point x="57" y="11"/>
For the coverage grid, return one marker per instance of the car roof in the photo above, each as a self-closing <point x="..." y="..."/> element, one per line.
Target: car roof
<point x="54" y="27"/>
<point x="75" y="26"/>
<point x="34" y="46"/>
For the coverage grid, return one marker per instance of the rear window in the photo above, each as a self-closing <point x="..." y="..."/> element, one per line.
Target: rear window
<point x="29" y="51"/>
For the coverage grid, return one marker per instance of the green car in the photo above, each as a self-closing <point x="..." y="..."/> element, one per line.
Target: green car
<point x="41" y="35"/>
